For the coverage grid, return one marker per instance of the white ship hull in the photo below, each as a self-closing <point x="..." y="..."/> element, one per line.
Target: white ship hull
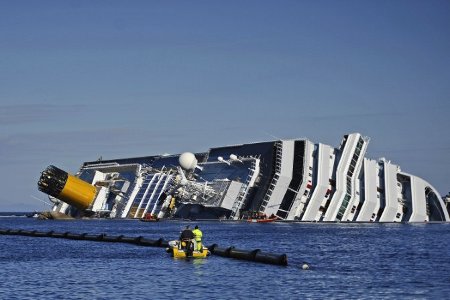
<point x="290" y="179"/>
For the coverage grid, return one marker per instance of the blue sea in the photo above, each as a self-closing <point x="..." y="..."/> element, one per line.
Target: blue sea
<point x="347" y="261"/>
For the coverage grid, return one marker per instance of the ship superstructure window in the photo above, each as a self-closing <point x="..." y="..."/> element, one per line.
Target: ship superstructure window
<point x="297" y="179"/>
<point x="348" y="191"/>
<point x="434" y="209"/>
<point x="142" y="194"/>
<point x="154" y="191"/>
<point x="275" y="171"/>
<point x="362" y="195"/>
<point x="405" y="194"/>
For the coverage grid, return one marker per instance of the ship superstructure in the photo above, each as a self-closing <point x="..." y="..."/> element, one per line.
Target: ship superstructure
<point x="287" y="179"/>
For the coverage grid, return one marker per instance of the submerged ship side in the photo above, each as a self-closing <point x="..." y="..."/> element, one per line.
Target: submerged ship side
<point x="287" y="179"/>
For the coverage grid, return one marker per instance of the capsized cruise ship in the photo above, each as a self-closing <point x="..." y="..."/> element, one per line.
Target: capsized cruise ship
<point x="291" y="179"/>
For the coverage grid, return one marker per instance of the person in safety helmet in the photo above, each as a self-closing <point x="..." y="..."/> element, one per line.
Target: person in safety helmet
<point x="186" y="238"/>
<point x="198" y="238"/>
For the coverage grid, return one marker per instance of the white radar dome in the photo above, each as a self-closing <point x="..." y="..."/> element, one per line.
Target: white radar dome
<point x="187" y="161"/>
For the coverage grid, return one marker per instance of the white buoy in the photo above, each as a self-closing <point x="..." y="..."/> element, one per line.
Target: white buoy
<point x="305" y="266"/>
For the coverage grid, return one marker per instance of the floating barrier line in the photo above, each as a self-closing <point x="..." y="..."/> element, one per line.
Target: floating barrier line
<point x="230" y="252"/>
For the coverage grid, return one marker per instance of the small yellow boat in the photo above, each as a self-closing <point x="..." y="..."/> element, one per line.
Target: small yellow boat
<point x="179" y="252"/>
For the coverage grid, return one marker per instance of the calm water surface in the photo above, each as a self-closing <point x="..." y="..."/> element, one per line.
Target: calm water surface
<point x="348" y="261"/>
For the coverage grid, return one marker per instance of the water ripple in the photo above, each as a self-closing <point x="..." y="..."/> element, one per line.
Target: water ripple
<point x="348" y="261"/>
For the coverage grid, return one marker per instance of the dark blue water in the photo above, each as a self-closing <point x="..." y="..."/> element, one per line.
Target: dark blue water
<point x="348" y="261"/>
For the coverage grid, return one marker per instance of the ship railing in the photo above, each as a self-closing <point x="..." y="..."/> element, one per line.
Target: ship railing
<point x="156" y="189"/>
<point x="168" y="182"/>
<point x="242" y="193"/>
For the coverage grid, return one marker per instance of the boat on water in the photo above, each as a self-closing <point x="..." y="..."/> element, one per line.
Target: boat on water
<point x="149" y="218"/>
<point x="258" y="217"/>
<point x="185" y="249"/>
<point x="292" y="179"/>
<point x="268" y="220"/>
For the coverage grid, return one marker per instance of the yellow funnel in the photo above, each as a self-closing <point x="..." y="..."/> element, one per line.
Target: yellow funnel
<point x="77" y="192"/>
<point x="68" y="188"/>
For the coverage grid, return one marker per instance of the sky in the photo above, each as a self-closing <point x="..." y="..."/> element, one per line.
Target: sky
<point x="81" y="80"/>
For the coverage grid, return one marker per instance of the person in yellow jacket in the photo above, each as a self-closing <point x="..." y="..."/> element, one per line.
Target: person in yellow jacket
<point x="198" y="238"/>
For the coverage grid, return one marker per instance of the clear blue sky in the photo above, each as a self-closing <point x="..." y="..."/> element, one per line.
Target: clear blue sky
<point x="84" y="79"/>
